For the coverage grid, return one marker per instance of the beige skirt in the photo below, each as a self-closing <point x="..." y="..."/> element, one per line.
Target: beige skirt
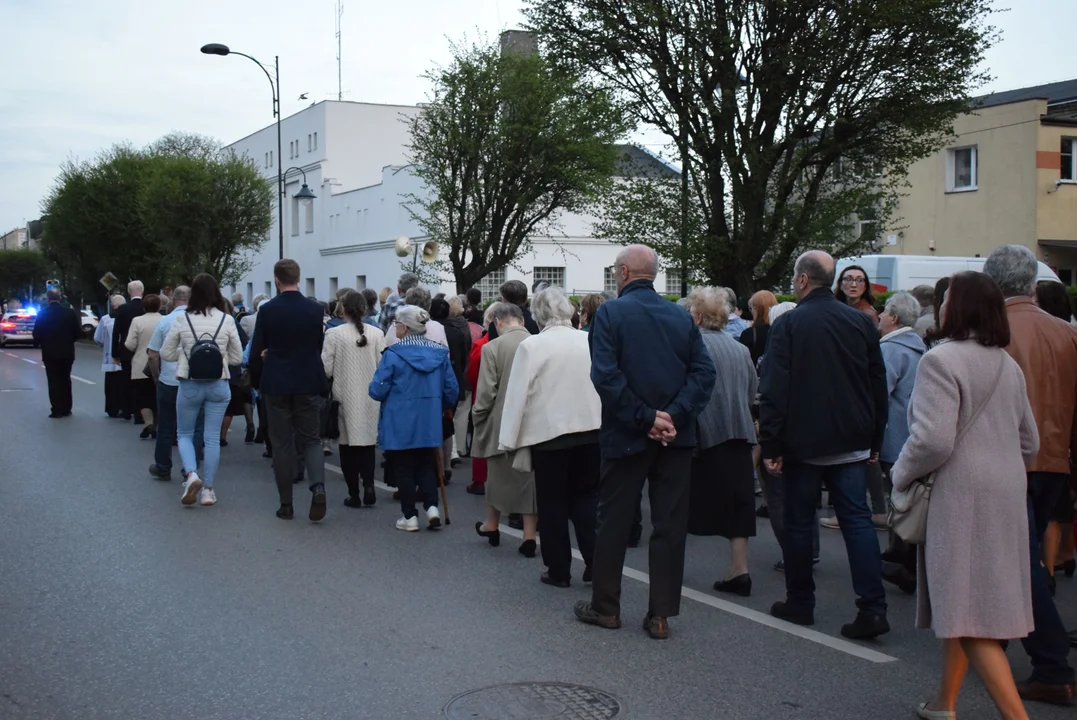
<point x="508" y="490"/>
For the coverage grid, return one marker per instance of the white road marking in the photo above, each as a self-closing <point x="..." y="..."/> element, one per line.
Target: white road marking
<point x="83" y="380"/>
<point x="10" y="354"/>
<point x="849" y="648"/>
<point x="28" y="360"/>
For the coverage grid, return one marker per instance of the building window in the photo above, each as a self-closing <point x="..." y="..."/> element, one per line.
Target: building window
<point x="295" y="216"/>
<point x="308" y="214"/>
<point x="962" y="169"/>
<point x="315" y="141"/>
<point x="673" y="282"/>
<point x="269" y="289"/>
<point x="609" y="280"/>
<point x="308" y="142"/>
<point x="551" y="275"/>
<point x="310" y="288"/>
<point x="250" y="297"/>
<point x="291" y="150"/>
<point x="360" y="282"/>
<point x="271" y="159"/>
<point x="267" y="160"/>
<point x="333" y="287"/>
<point x="490" y="286"/>
<point x="1069" y="159"/>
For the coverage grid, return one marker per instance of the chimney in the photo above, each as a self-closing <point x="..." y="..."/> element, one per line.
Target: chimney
<point x="519" y="41"/>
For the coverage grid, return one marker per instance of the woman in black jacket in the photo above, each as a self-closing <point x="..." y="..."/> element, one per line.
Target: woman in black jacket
<point x="458" y="336"/>
<point x="755" y="337"/>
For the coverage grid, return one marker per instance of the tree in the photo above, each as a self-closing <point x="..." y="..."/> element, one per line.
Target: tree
<point x="507" y="141"/>
<point x="794" y="120"/>
<point x="23" y="274"/>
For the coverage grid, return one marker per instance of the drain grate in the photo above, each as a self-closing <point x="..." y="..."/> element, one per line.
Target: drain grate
<point x="534" y="700"/>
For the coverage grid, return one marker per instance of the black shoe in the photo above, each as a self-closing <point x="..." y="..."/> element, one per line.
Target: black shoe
<point x="370" y="498"/>
<point x="396" y="495"/>
<point x="516" y="521"/>
<point x="454" y="462"/>
<point x="656" y="627"/>
<point x="762" y="512"/>
<point x="527" y="548"/>
<point x="587" y="574"/>
<point x="1069" y="567"/>
<point x="586" y="613"/>
<point x="447" y="477"/>
<point x="353" y="501"/>
<point x="286" y="512"/>
<point x="160" y="473"/>
<point x="112" y="415"/>
<point x="865" y="627"/>
<point x="267" y="454"/>
<point x="635" y="537"/>
<point x="546" y="579"/>
<point x="790" y="613"/>
<point x="1052" y="585"/>
<point x="476" y="489"/>
<point x="124" y="416"/>
<point x="259" y="437"/>
<point x="492" y="536"/>
<point x="740" y="585"/>
<point x="899" y="576"/>
<point x="317" y="502"/>
<point x="1073" y="638"/>
<point x="224" y="443"/>
<point x="249" y="437"/>
<point x="56" y="416"/>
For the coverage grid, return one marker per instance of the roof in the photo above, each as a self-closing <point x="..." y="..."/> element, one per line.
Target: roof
<point x="1062" y="116"/>
<point x="1053" y="93"/>
<point x="636" y="161"/>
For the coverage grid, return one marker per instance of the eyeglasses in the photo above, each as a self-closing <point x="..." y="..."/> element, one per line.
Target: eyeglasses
<point x="850" y="280"/>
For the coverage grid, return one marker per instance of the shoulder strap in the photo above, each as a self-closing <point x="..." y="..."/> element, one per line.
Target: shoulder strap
<point x="219" y="326"/>
<point x="194" y="334"/>
<point x="991" y="394"/>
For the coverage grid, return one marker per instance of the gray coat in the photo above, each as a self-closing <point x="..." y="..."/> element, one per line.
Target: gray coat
<point x="728" y="413"/>
<point x="901" y="354"/>
<point x="973" y="571"/>
<point x="494" y="369"/>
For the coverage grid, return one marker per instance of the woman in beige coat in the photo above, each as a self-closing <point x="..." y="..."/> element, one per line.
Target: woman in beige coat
<point x="143" y="387"/>
<point x="972" y="430"/>
<point x="351" y="354"/>
<point x="508" y="490"/>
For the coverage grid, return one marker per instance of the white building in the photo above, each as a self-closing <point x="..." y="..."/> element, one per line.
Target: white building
<point x="355" y="159"/>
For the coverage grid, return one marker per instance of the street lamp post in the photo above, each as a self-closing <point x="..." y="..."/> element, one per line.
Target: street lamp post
<point x="274" y="85"/>
<point x="305" y="195"/>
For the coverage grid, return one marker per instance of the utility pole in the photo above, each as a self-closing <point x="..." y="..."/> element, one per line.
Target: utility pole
<point x="340" y="83"/>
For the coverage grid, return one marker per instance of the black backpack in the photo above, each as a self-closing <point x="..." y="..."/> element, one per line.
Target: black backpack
<point x="205" y="361"/>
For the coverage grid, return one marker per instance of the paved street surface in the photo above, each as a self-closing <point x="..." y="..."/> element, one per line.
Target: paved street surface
<point x="116" y="602"/>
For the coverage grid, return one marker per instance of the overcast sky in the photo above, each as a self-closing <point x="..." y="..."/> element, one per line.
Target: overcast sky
<point x="80" y="76"/>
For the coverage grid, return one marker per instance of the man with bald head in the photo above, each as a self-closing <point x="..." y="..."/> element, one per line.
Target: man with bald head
<point x="654" y="376"/>
<point x="822" y="414"/>
<point x="56" y="331"/>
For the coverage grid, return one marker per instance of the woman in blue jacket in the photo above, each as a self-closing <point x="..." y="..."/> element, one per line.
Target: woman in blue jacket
<point x="416" y="387"/>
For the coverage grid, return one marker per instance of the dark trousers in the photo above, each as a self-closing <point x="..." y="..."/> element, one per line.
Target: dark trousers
<point x="667" y="471"/>
<point x="263" y="423"/>
<point x="774" y="494"/>
<point x="847" y="487"/>
<point x="413" y="468"/>
<point x="166" y="427"/>
<point x="1048" y="645"/>
<point x="295" y="426"/>
<point x="566" y="487"/>
<point x="58" y="373"/>
<point x="113" y="400"/>
<point x="126" y="391"/>
<point x="357" y="461"/>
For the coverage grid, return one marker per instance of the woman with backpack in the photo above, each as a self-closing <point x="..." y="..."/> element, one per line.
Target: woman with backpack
<point x="205" y="343"/>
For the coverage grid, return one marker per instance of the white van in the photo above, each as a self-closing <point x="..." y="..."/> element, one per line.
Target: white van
<point x="904" y="272"/>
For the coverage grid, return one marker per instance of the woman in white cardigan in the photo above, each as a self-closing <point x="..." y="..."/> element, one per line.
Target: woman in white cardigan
<point x="551" y="419"/>
<point x="204" y="320"/>
<point x="351" y="354"/>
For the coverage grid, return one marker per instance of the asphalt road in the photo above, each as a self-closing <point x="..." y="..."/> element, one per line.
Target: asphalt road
<point x="116" y="602"/>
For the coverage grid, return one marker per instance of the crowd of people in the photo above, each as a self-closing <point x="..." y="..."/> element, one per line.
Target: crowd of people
<point x="568" y="410"/>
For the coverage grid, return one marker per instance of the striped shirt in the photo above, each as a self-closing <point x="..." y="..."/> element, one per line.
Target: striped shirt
<point x="728" y="414"/>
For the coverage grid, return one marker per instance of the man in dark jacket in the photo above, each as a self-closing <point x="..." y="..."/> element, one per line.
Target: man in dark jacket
<point x="653" y="375"/>
<point x="56" y="330"/>
<point x="120" y="327"/>
<point x="822" y="414"/>
<point x="515" y="292"/>
<point x="286" y="366"/>
<point x="458" y="336"/>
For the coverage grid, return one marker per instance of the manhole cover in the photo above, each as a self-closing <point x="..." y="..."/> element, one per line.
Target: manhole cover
<point x="524" y="701"/>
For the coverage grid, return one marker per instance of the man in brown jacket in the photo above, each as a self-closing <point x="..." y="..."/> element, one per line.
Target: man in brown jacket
<point x="1046" y="349"/>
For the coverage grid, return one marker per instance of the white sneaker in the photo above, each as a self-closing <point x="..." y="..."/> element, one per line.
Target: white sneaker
<point x="208" y="497"/>
<point x="433" y="518"/>
<point x="190" y="489"/>
<point x="408" y="524"/>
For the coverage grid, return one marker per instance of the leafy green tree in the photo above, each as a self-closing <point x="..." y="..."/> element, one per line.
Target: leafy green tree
<point x="23" y="274"/>
<point x="794" y="120"/>
<point x="507" y="141"/>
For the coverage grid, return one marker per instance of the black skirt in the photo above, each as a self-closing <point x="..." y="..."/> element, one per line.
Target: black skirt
<point x="723" y="491"/>
<point x="144" y="391"/>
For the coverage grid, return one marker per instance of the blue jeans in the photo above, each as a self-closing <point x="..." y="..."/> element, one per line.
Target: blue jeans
<point x="847" y="486"/>
<point x="1048" y="645"/>
<point x="196" y="397"/>
<point x="166" y="427"/>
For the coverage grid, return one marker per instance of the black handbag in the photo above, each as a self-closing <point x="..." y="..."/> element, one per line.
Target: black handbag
<point x="331" y="417"/>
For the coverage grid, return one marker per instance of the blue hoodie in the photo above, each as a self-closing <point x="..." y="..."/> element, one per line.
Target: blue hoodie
<point x="415" y="384"/>
<point x="901" y="354"/>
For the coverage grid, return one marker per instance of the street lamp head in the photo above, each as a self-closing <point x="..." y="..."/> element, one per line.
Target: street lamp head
<point x="215" y="49"/>
<point x="305" y="195"/>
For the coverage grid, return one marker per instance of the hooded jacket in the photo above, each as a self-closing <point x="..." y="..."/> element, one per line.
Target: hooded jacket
<point x="902" y="350"/>
<point x="415" y="384"/>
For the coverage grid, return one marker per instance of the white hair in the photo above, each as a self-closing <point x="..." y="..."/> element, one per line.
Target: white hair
<point x="258" y="300"/>
<point x="135" y="288"/>
<point x="780" y="309"/>
<point x="1014" y="268"/>
<point x="414" y="318"/>
<point x="551" y="307"/>
<point x="115" y="301"/>
<point x="904" y="307"/>
<point x="237" y="298"/>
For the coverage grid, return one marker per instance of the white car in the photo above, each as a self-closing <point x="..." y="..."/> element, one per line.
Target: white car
<point x="17" y="326"/>
<point x="89" y="322"/>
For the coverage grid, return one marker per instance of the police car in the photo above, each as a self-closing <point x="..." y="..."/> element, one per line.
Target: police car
<point x="17" y="326"/>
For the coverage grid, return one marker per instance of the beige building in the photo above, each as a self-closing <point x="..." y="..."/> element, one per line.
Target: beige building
<point x="13" y="240"/>
<point x="1009" y="176"/>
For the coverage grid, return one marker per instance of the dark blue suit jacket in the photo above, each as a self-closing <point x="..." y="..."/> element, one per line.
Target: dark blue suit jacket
<point x="647" y="355"/>
<point x="56" y="330"/>
<point x="290" y="328"/>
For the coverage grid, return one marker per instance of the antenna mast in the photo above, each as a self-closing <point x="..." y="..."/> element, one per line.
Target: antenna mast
<point x="340" y="86"/>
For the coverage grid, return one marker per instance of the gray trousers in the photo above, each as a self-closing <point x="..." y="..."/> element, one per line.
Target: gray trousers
<point x="294" y="430"/>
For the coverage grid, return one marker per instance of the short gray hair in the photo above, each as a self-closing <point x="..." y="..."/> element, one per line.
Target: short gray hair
<point x="1014" y="268"/>
<point x="406" y="282"/>
<point x="551" y="307"/>
<point x="258" y="300"/>
<point x="135" y="287"/>
<point x="731" y="298"/>
<point x="710" y="306"/>
<point x="414" y="318"/>
<point x="456" y="306"/>
<point x="237" y="298"/>
<point x="181" y="295"/>
<point x="418" y="296"/>
<point x="904" y="307"/>
<point x="780" y="309"/>
<point x="507" y="311"/>
<point x="488" y="316"/>
<point x="115" y="301"/>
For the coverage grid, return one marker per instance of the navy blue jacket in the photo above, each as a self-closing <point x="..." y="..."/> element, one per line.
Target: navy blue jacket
<point x="647" y="355"/>
<point x="415" y="384"/>
<point x="56" y="330"/>
<point x="823" y="383"/>
<point x="290" y="327"/>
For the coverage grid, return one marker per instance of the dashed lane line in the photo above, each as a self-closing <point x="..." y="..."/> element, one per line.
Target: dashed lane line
<point x="844" y="646"/>
<point x="28" y="360"/>
<point x="83" y="380"/>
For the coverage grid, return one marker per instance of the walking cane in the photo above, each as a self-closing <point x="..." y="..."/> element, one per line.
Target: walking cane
<point x="441" y="483"/>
